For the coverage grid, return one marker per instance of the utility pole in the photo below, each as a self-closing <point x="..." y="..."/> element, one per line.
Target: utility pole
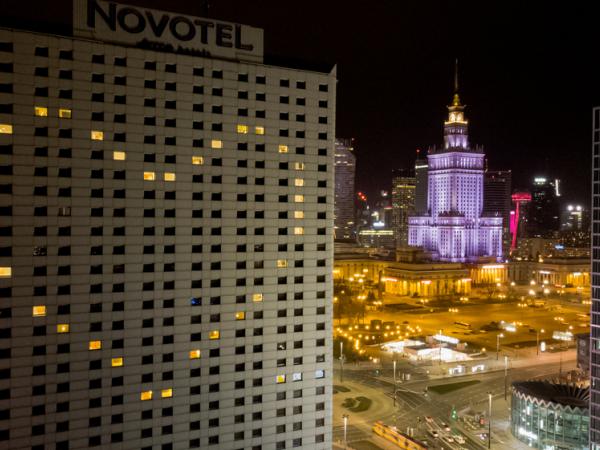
<point x="345" y="417"/>
<point x="341" y="361"/>
<point x="395" y="387"/>
<point x="505" y="375"/>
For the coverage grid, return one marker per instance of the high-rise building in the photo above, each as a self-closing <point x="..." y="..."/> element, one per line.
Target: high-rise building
<point x="345" y="169"/>
<point x="544" y="209"/>
<point x="421" y="184"/>
<point x="403" y="203"/>
<point x="574" y="217"/>
<point x="595" y="307"/>
<point x="497" y="190"/>
<point x="454" y="228"/>
<point x="166" y="250"/>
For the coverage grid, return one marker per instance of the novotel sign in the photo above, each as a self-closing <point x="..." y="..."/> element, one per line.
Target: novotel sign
<point x="159" y="30"/>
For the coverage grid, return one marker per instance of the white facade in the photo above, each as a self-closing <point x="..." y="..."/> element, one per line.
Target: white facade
<point x="453" y="228"/>
<point x="166" y="249"/>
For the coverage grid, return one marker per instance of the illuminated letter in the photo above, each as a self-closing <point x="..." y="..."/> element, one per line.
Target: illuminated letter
<point x="182" y="37"/>
<point x="157" y="28"/>
<point x="110" y="19"/>
<point x="224" y="35"/>
<point x="204" y="25"/>
<point x="134" y="29"/>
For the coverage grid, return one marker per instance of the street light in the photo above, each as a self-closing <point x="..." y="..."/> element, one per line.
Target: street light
<point x="505" y="375"/>
<point x="537" y="349"/>
<point x="490" y="420"/>
<point x="345" y="417"/>
<point x="341" y="361"/>
<point x="394" y="382"/>
<point x="498" y="345"/>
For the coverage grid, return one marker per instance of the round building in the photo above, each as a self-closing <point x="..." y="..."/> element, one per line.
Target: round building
<point x="550" y="416"/>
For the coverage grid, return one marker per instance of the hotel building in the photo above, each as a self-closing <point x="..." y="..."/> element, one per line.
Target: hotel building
<point x="167" y="230"/>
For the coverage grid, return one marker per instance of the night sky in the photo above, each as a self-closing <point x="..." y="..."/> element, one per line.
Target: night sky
<point x="529" y="75"/>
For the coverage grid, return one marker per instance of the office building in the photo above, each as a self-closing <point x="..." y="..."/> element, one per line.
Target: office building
<point x="403" y="203"/>
<point x="544" y="209"/>
<point x="166" y="254"/>
<point x="454" y="229"/>
<point x="421" y="184"/>
<point x="595" y="275"/>
<point x="345" y="169"/>
<point x="497" y="190"/>
<point x="574" y="217"/>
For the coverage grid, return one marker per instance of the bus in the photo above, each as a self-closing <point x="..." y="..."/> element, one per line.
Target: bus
<point x="463" y="325"/>
<point x="402" y="440"/>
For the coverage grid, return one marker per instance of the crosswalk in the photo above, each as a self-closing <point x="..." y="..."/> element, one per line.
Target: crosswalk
<point x="352" y="434"/>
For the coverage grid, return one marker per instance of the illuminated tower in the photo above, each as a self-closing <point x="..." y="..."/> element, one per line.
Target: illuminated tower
<point x="453" y="228"/>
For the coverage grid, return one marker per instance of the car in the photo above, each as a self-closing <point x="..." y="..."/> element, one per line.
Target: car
<point x="445" y="426"/>
<point x="458" y="438"/>
<point x="448" y="439"/>
<point x="434" y="433"/>
<point x="482" y="436"/>
<point x="428" y="419"/>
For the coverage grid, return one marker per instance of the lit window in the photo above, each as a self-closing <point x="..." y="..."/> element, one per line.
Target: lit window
<point x="195" y="354"/>
<point x="64" y="113"/>
<point x="280" y="379"/>
<point x="116" y="362"/>
<point x="298" y="198"/>
<point x="257" y="297"/>
<point x="215" y="143"/>
<point x="97" y="135"/>
<point x="166" y="393"/>
<point x="62" y="328"/>
<point x="240" y="315"/>
<point x="298" y="230"/>
<point x="169" y="176"/>
<point x="95" y="345"/>
<point x="259" y="130"/>
<point x="281" y="263"/>
<point x="297" y="376"/>
<point x="242" y="129"/>
<point x="299" y="182"/>
<point x="39" y="311"/>
<point x="119" y="156"/>
<point x="214" y="334"/>
<point x="5" y="272"/>
<point x="319" y="373"/>
<point x="149" y="176"/>
<point x="197" y="160"/>
<point x="298" y="214"/>
<point x="299" y="166"/>
<point x="283" y="148"/>
<point x="146" y="395"/>
<point x="5" y="128"/>
<point x="41" y="111"/>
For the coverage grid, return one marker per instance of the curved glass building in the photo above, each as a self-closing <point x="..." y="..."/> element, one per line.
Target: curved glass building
<point x="550" y="416"/>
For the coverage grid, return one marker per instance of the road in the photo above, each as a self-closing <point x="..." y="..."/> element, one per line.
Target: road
<point x="413" y="406"/>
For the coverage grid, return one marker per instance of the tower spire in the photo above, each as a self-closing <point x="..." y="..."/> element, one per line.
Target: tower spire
<point x="456" y="98"/>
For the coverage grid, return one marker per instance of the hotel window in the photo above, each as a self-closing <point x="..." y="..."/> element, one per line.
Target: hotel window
<point x="257" y="297"/>
<point x="242" y="129"/>
<point x="116" y="362"/>
<point x="41" y="111"/>
<point x="195" y="354"/>
<point x="214" y="334"/>
<point x="240" y="315"/>
<point x="297" y="376"/>
<point x="298" y="198"/>
<point x="119" y="156"/>
<point x="39" y="311"/>
<point x="299" y="182"/>
<point x="259" y="130"/>
<point x="298" y="230"/>
<point x="146" y="395"/>
<point x="283" y="148"/>
<point x="299" y="166"/>
<point x="64" y="113"/>
<point x="97" y="135"/>
<point x="280" y="379"/>
<point x="149" y="176"/>
<point x="282" y="263"/>
<point x="169" y="176"/>
<point x="6" y="128"/>
<point x="95" y="345"/>
<point x="215" y="143"/>
<point x="298" y="214"/>
<point x="5" y="272"/>
<point x="166" y="393"/>
<point x="197" y="160"/>
<point x="62" y="328"/>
